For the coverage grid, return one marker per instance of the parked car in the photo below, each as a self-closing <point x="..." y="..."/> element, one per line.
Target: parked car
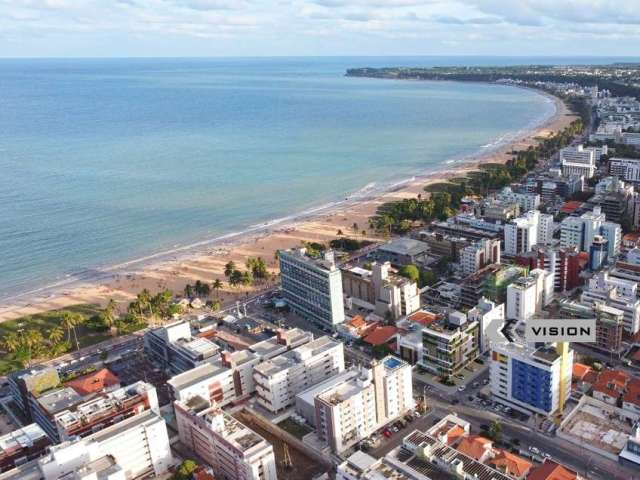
<point x="386" y="433"/>
<point x="462" y="388"/>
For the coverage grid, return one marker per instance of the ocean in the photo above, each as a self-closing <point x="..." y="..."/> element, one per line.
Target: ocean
<point x="107" y="161"/>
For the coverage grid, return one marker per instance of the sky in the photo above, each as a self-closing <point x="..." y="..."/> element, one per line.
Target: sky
<point x="177" y="28"/>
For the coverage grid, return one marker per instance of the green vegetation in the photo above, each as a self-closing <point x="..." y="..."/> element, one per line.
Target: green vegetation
<point x="411" y="272"/>
<point x="294" y="428"/>
<point x="348" y="244"/>
<point x="314" y="249"/>
<point x="47" y="335"/>
<point x="185" y="470"/>
<point x="495" y="431"/>
<point x="237" y="277"/>
<point x="445" y="198"/>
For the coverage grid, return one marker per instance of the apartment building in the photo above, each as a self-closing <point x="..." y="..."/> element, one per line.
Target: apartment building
<point x="627" y="169"/>
<point x="521" y="234"/>
<point x="312" y="287"/>
<point x="565" y="263"/>
<point x="234" y="451"/>
<point x="609" y="324"/>
<point x="351" y="410"/>
<point x="528" y="295"/>
<point x="580" y="232"/>
<point x="173" y="347"/>
<point x="486" y="313"/>
<point x="22" y="445"/>
<point x="578" y="161"/>
<point x="212" y="381"/>
<point x="617" y="293"/>
<point x="387" y="294"/>
<point x="283" y="341"/>
<point x="105" y="409"/>
<point x="281" y="378"/>
<point x="137" y="447"/>
<point x="479" y="255"/>
<point x="526" y="201"/>
<point x="531" y="379"/>
<point x="445" y="346"/>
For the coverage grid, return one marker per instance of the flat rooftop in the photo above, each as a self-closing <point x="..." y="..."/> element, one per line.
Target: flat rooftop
<point x="405" y="246"/>
<point x="309" y="394"/>
<point x="60" y="399"/>
<point x="196" y="375"/>
<point x="296" y="356"/>
<point x="21" y="438"/>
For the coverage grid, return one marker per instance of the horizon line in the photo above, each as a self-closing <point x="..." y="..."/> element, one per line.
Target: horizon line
<point x="219" y="57"/>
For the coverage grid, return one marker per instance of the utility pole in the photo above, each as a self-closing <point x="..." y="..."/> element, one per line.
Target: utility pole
<point x="286" y="456"/>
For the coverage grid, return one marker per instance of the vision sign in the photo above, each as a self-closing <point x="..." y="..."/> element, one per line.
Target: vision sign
<point x="561" y="330"/>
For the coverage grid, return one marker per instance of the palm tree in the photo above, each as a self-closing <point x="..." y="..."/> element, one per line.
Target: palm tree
<point x="56" y="334"/>
<point x="216" y="286"/>
<point x="109" y="315"/>
<point x="11" y="342"/>
<point x="198" y="288"/>
<point x="69" y="322"/>
<point x="33" y="341"/>
<point x="229" y="268"/>
<point x="144" y="299"/>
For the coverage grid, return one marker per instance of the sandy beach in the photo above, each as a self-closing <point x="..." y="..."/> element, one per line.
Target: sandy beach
<point x="206" y="262"/>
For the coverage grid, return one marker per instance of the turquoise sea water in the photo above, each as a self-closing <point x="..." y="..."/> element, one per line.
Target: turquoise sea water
<point x="104" y="161"/>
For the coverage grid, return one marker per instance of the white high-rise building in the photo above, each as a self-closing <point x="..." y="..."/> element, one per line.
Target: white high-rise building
<point x="234" y="451"/>
<point x="212" y="381"/>
<point x="528" y="295"/>
<point x="312" y="287"/>
<point x="526" y="201"/>
<point x="353" y="409"/>
<point x="281" y="378"/>
<point x="545" y="229"/>
<point x="478" y="255"/>
<point x="136" y="447"/>
<point x="578" y="161"/>
<point x="617" y="293"/>
<point x="521" y="234"/>
<point x="486" y="313"/>
<point x="527" y="378"/>
<point x="580" y="231"/>
<point x="627" y="169"/>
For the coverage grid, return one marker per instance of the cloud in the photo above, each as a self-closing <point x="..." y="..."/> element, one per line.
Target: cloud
<point x="280" y="27"/>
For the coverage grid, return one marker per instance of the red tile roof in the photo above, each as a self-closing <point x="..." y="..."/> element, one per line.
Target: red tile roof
<point x="632" y="395"/>
<point x="611" y="383"/>
<point x="93" y="382"/>
<point x="423" y="318"/>
<point x="454" y="434"/>
<point x="510" y="464"/>
<point x="580" y="370"/>
<point x="571" y="206"/>
<point x="381" y="335"/>
<point x="475" y="446"/>
<point x="552" y="471"/>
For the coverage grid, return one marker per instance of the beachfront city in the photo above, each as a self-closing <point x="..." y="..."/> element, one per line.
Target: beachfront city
<point x="471" y="314"/>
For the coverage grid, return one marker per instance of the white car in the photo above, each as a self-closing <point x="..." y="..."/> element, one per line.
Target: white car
<point x="462" y="388"/>
<point x="534" y="450"/>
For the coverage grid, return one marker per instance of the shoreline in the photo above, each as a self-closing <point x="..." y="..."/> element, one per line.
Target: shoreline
<point x="205" y="259"/>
